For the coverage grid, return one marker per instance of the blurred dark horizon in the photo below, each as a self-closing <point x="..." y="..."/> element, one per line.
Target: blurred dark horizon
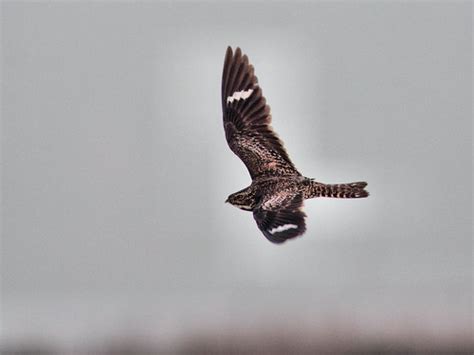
<point x="281" y="343"/>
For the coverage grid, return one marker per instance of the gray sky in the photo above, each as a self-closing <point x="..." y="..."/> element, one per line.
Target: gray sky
<point x="115" y="169"/>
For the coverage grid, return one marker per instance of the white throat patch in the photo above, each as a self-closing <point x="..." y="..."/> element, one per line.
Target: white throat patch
<point x="239" y="95"/>
<point x="282" y="228"/>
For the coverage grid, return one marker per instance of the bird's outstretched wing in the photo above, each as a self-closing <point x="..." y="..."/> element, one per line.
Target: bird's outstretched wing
<point x="247" y="120"/>
<point x="280" y="216"/>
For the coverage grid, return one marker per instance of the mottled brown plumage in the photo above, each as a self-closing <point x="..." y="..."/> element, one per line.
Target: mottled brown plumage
<point x="278" y="190"/>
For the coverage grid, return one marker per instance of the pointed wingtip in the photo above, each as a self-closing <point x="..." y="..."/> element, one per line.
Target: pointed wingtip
<point x="228" y="54"/>
<point x="238" y="52"/>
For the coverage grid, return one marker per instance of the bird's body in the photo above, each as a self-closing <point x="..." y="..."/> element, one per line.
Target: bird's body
<point x="278" y="190"/>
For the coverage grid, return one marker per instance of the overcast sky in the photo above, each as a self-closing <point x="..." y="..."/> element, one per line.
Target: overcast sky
<point x="116" y="169"/>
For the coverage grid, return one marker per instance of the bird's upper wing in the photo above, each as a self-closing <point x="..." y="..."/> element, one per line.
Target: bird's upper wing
<point x="247" y="120"/>
<point x="280" y="216"/>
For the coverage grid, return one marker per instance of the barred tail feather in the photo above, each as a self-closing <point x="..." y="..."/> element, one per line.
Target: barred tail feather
<point x="350" y="190"/>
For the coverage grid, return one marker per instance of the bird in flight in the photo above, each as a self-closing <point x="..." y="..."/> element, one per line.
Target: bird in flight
<point x="278" y="189"/>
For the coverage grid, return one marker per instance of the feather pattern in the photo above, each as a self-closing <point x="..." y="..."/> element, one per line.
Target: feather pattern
<point x="247" y="120"/>
<point x="280" y="217"/>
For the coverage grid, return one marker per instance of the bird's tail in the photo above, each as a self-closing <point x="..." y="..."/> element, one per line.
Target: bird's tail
<point x="351" y="190"/>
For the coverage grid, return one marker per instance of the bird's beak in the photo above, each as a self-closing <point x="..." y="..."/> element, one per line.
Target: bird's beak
<point x="227" y="200"/>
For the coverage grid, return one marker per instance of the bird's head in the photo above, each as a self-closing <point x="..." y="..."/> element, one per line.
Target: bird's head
<point x="243" y="199"/>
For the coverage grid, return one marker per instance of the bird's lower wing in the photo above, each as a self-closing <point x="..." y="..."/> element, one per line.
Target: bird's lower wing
<point x="280" y="217"/>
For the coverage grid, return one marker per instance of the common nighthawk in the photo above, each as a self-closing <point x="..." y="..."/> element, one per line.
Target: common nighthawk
<point x="278" y="190"/>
